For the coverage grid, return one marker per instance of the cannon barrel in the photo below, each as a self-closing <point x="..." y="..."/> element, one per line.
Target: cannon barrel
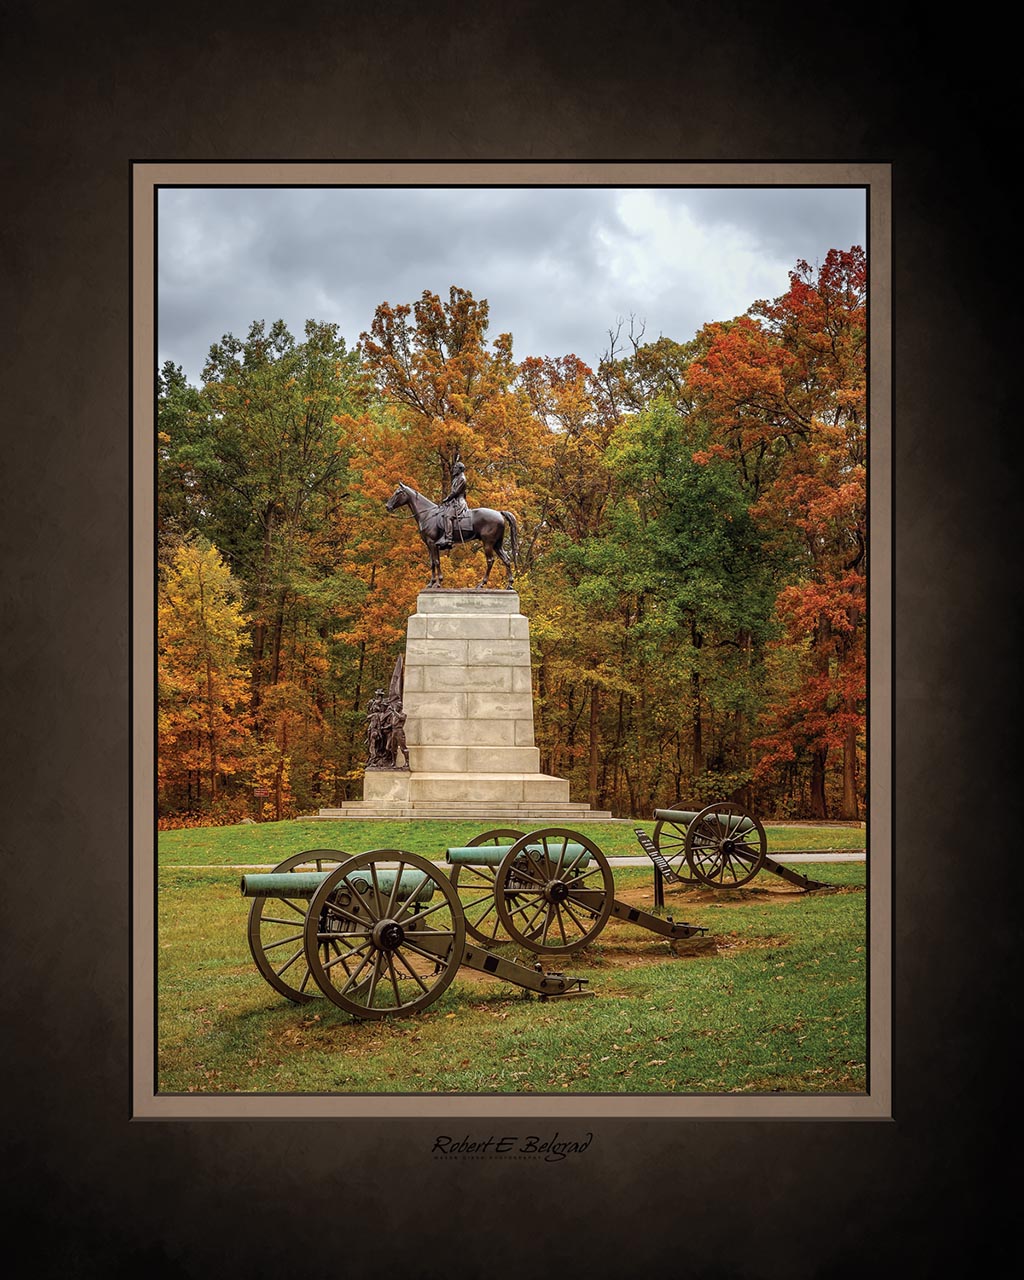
<point x="303" y="884"/>
<point x="491" y="855"/>
<point x="683" y="818"/>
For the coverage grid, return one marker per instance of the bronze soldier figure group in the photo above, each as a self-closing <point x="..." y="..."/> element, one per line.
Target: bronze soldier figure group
<point x="385" y="732"/>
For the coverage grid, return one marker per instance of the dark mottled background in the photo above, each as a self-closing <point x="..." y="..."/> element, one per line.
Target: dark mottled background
<point x="87" y="89"/>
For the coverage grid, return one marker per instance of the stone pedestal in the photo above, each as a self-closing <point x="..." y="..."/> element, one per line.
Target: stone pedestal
<point x="468" y="691"/>
<point x="468" y="697"/>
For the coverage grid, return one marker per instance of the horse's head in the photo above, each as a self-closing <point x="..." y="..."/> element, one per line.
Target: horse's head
<point x="399" y="498"/>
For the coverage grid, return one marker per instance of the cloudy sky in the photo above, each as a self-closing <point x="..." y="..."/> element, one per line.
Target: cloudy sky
<point x="559" y="266"/>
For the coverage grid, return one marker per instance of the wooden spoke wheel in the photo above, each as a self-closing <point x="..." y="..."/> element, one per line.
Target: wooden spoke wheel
<point x="477" y="883"/>
<point x="670" y="840"/>
<point x="375" y="953"/>
<point x="549" y="898"/>
<point x="276" y="938"/>
<point x="725" y="846"/>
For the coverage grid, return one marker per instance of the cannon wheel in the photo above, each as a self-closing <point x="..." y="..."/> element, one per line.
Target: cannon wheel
<point x="393" y="957"/>
<point x="717" y="857"/>
<point x="276" y="931"/>
<point x="670" y="841"/>
<point x="481" y="909"/>
<point x="544" y="901"/>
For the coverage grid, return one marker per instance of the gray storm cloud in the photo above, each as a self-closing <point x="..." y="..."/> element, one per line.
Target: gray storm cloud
<point x="559" y="266"/>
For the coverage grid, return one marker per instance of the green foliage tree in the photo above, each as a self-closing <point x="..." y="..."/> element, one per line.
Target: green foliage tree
<point x="681" y="566"/>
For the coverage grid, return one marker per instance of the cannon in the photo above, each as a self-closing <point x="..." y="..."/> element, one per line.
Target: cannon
<point x="380" y="934"/>
<point x="549" y="891"/>
<point x="475" y="873"/>
<point x="275" y="921"/>
<point x="721" y="846"/>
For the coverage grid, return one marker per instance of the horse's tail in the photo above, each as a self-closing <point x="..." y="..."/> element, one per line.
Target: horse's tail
<point x="513" y="534"/>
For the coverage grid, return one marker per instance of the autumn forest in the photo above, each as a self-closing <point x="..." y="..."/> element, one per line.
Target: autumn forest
<point x="692" y="521"/>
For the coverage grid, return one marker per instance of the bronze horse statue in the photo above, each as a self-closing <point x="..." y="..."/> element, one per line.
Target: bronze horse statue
<point x="478" y="522"/>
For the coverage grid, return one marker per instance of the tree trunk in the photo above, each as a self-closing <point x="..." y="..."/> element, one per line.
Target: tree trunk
<point x="822" y="646"/>
<point x="354" y="737"/>
<point x="259" y="630"/>
<point x="279" y="773"/>
<point x="818" y="807"/>
<point x="697" y="729"/>
<point x="696" y="718"/>
<point x="275" y="669"/>
<point x="592" y="779"/>
<point x="259" y="642"/>
<point x="617" y="754"/>
<point x="631" y="787"/>
<point x="212" y="732"/>
<point x="210" y="714"/>
<point x="278" y="783"/>
<point x="849" y="807"/>
<point x="548" y="759"/>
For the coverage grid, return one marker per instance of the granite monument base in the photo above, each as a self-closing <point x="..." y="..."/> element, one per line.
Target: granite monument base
<point x="468" y="699"/>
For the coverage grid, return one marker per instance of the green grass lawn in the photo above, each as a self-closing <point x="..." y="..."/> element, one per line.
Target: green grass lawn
<point x="270" y="842"/>
<point x="772" y="1000"/>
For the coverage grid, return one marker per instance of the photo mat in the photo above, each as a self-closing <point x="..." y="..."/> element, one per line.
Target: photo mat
<point x="147" y="179"/>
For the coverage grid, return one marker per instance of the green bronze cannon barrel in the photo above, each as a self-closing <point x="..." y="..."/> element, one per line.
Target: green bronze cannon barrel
<point x="303" y="884"/>
<point x="491" y="855"/>
<point x="683" y="818"/>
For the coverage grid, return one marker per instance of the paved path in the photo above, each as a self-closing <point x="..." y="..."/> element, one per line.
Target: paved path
<point x="851" y="855"/>
<point x="796" y="858"/>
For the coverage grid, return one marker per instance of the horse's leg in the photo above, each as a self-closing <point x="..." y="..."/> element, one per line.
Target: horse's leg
<point x="432" y="555"/>
<point x="503" y="555"/>
<point x="506" y="560"/>
<point x="489" y="554"/>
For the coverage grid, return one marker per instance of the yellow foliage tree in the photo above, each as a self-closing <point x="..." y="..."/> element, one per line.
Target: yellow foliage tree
<point x="202" y="676"/>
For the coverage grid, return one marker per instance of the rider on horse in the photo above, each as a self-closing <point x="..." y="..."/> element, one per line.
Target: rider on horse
<point x="434" y="519"/>
<point x="453" y="506"/>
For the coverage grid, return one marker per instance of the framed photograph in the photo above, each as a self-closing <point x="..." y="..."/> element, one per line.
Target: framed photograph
<point x="501" y="542"/>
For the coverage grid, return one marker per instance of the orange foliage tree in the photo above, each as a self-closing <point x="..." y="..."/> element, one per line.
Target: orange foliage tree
<point x="786" y="389"/>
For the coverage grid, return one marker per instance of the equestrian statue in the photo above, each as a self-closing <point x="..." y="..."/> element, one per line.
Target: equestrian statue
<point x="451" y="523"/>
